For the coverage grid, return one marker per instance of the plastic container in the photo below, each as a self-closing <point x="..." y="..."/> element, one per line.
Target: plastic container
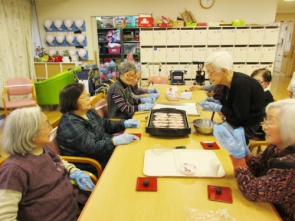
<point x="114" y="50"/>
<point x="129" y="47"/>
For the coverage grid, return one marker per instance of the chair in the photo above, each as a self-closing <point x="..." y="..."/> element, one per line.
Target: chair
<point x="257" y="144"/>
<point x="75" y="159"/>
<point x="15" y="89"/>
<point x="99" y="102"/>
<point x="157" y="80"/>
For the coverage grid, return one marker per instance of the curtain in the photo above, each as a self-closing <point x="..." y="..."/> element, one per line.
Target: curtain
<point x="16" y="49"/>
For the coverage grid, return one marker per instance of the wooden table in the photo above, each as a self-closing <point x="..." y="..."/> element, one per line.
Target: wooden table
<point x="115" y="197"/>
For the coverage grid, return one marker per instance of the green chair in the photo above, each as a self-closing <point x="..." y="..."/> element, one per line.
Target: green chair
<point x="47" y="91"/>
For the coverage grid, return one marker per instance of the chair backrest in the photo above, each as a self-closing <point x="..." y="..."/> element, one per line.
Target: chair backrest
<point x="99" y="102"/>
<point x="19" y="86"/>
<point x="53" y="141"/>
<point x="157" y="80"/>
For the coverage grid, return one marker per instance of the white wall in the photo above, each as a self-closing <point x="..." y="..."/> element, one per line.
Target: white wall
<point x="252" y="11"/>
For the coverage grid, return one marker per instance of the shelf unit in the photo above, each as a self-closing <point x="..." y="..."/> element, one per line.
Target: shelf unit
<point x="180" y="48"/>
<point x="127" y="42"/>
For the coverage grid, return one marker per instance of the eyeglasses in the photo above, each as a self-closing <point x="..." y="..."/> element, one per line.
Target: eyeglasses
<point x="87" y="96"/>
<point x="267" y="122"/>
<point x="130" y="74"/>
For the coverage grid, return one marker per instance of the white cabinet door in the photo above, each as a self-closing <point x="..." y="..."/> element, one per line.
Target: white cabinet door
<point x="172" y="54"/>
<point x="256" y="36"/>
<point x="228" y="36"/>
<point x="211" y="50"/>
<point x="240" y="54"/>
<point x="186" y="36"/>
<point x="147" y="54"/>
<point x="160" y="54"/>
<point x="199" y="53"/>
<point x="242" y="36"/>
<point x="186" y="54"/>
<point x="254" y="54"/>
<point x="250" y="68"/>
<point x="268" y="54"/>
<point x="173" y="37"/>
<point x="229" y="50"/>
<point x="145" y="71"/>
<point x="214" y="36"/>
<point x="146" y="37"/>
<point x="271" y="36"/>
<point x="189" y="70"/>
<point x="159" y="37"/>
<point x="171" y="67"/>
<point x="240" y="68"/>
<point x="200" y="37"/>
<point x="162" y="72"/>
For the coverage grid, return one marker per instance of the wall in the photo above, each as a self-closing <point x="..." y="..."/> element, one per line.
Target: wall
<point x="285" y="17"/>
<point x="226" y="10"/>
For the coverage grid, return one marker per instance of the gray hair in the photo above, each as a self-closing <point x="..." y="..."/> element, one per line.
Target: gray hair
<point x="287" y="110"/>
<point x="126" y="66"/>
<point x="219" y="60"/>
<point x="19" y="130"/>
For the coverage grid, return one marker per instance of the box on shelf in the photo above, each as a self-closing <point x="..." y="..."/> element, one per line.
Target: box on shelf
<point x="202" y="24"/>
<point x="119" y="22"/>
<point x="129" y="47"/>
<point x="165" y="25"/>
<point x="145" y="22"/>
<point x="114" y="50"/>
<point x="178" y="23"/>
<point x="191" y="24"/>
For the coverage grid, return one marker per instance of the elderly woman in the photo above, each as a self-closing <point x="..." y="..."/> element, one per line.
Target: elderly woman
<point x="120" y="101"/>
<point x="269" y="176"/>
<point x="82" y="132"/>
<point x="242" y="101"/>
<point x="35" y="182"/>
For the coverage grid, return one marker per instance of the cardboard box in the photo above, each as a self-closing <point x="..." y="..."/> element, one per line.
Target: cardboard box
<point x="178" y="23"/>
<point x="165" y="25"/>
<point x="145" y="22"/>
<point x="191" y="24"/>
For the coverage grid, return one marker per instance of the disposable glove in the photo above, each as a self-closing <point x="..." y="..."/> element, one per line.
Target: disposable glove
<point x="234" y="143"/>
<point x="82" y="179"/>
<point x="146" y="106"/>
<point x="153" y="90"/>
<point x="155" y="95"/>
<point x="211" y="99"/>
<point x="124" y="139"/>
<point x="147" y="100"/>
<point x="131" y="123"/>
<point x="211" y="106"/>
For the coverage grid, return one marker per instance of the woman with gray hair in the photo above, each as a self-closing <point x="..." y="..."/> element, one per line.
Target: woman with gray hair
<point x="35" y="181"/>
<point x="269" y="176"/>
<point x="242" y="101"/>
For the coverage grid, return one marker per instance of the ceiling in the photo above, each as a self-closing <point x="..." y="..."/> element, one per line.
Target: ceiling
<point x="285" y="7"/>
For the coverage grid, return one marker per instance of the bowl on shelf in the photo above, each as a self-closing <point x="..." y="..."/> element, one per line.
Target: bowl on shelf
<point x="204" y="126"/>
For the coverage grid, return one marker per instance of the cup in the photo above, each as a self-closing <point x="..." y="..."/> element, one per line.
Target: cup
<point x="214" y="165"/>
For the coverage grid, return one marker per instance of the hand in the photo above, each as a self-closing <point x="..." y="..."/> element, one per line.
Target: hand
<point x="82" y="179"/>
<point x="155" y="95"/>
<point x="211" y="106"/>
<point x="131" y="123"/>
<point x="124" y="139"/>
<point x="146" y="106"/>
<point x="211" y="99"/>
<point x="234" y="143"/>
<point x="153" y="90"/>
<point x="147" y="100"/>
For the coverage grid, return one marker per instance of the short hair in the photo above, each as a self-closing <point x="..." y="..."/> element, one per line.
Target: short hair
<point x="125" y="67"/>
<point x="219" y="60"/>
<point x="69" y="96"/>
<point x="266" y="74"/>
<point x="287" y="110"/>
<point x="20" y="127"/>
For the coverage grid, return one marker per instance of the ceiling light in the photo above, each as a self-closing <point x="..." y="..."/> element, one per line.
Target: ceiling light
<point x="289" y="0"/>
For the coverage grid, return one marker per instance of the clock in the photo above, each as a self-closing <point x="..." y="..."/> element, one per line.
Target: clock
<point x="206" y="4"/>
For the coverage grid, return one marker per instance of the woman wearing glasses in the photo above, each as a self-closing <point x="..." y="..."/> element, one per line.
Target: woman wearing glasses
<point x="242" y="101"/>
<point x="269" y="176"/>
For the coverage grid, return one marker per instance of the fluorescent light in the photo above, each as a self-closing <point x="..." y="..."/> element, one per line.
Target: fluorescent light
<point x="289" y="0"/>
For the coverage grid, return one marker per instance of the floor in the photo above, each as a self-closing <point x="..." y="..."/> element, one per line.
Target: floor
<point x="278" y="89"/>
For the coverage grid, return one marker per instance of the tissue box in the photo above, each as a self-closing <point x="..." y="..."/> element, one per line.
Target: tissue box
<point x="186" y="95"/>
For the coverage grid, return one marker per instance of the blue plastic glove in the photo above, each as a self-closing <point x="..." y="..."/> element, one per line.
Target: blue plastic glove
<point x="146" y="106"/>
<point x="131" y="123"/>
<point x="234" y="143"/>
<point x="211" y="106"/>
<point x="155" y="95"/>
<point x="153" y="90"/>
<point x="211" y="99"/>
<point x="82" y="179"/>
<point x="147" y="100"/>
<point x="124" y="139"/>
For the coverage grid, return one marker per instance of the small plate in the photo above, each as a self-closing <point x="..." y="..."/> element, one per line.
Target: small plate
<point x="188" y="168"/>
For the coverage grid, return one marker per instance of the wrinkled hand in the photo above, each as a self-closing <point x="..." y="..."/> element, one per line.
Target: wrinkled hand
<point x="146" y="106"/>
<point x="153" y="90"/>
<point x="82" y="179"/>
<point x="124" y="139"/>
<point x="234" y="143"/>
<point x="155" y="95"/>
<point x="147" y="100"/>
<point x="211" y="106"/>
<point x="211" y="99"/>
<point x="131" y="123"/>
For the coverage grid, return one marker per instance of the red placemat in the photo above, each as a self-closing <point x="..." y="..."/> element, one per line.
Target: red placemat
<point x="205" y="145"/>
<point x="224" y="196"/>
<point x="152" y="186"/>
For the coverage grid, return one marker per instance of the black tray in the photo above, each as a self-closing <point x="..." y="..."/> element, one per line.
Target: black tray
<point x="167" y="131"/>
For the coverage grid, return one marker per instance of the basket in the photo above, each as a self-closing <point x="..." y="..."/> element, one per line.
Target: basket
<point x="114" y="50"/>
<point x="129" y="47"/>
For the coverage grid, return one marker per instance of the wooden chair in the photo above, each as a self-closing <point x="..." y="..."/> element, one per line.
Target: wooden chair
<point x="100" y="104"/>
<point x="15" y="89"/>
<point x="157" y="80"/>
<point x="257" y="144"/>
